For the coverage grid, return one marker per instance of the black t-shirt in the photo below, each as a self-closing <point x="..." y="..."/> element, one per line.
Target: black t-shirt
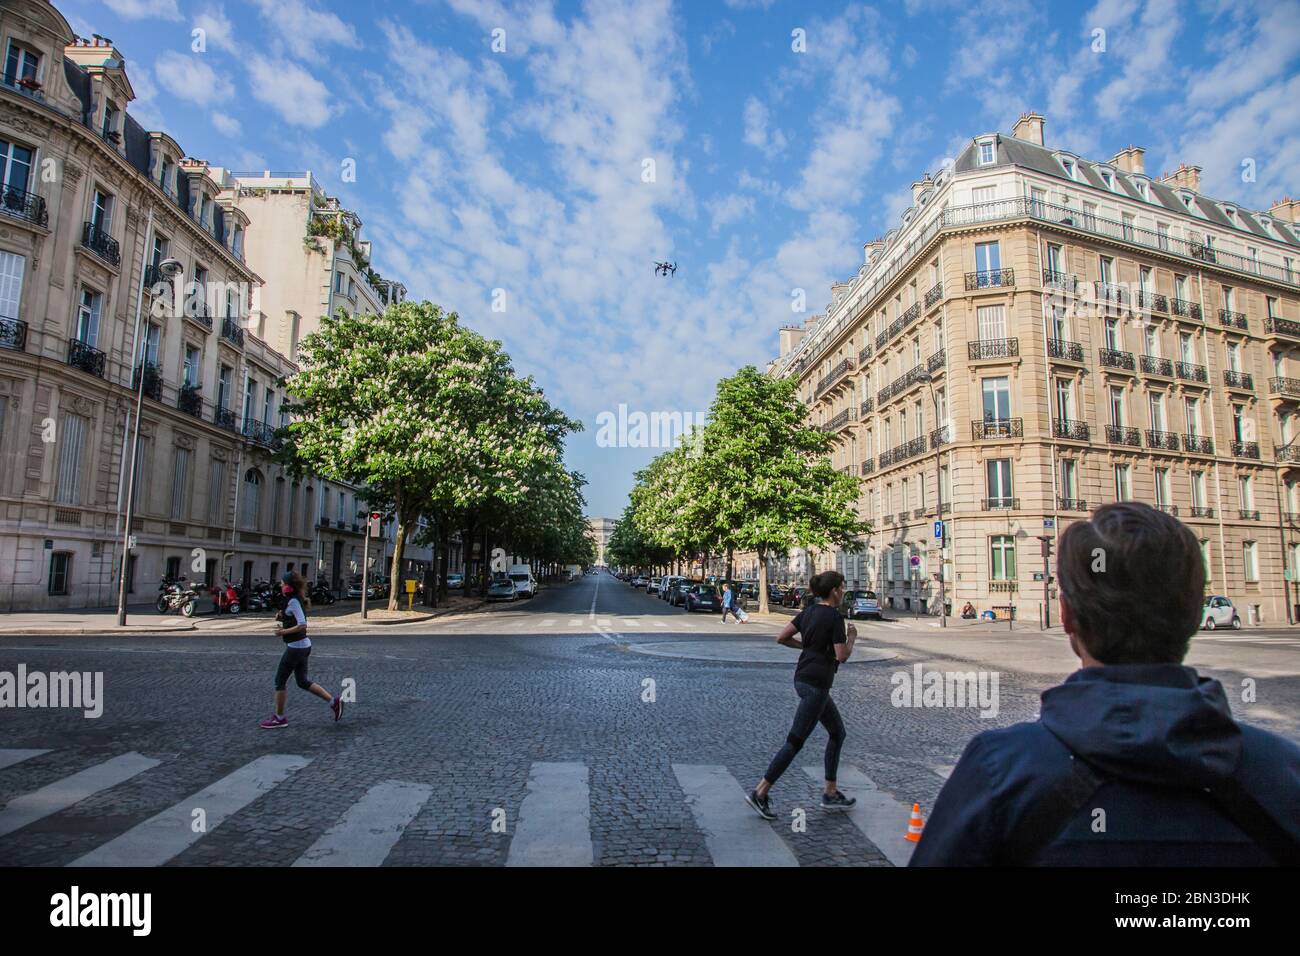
<point x="821" y="627"/>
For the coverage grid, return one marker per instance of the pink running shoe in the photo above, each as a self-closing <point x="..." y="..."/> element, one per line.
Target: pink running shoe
<point x="274" y="721"/>
<point x="336" y="705"/>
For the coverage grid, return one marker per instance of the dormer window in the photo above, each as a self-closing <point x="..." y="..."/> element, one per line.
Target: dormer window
<point x="166" y="173"/>
<point x="1068" y="166"/>
<point x="22" y="67"/>
<point x="1187" y="200"/>
<point x="1231" y="214"/>
<point x="1108" y="178"/>
<point x="986" y="153"/>
<point x="109" y="128"/>
<point x="1141" y="186"/>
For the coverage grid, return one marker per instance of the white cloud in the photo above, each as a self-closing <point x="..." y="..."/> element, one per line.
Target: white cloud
<point x="298" y="97"/>
<point x="303" y="29"/>
<point x="217" y="27"/>
<point x="1273" y="44"/>
<point x="142" y="9"/>
<point x="756" y="132"/>
<point x="191" y="77"/>
<point x="729" y="209"/>
<point x="226" y="124"/>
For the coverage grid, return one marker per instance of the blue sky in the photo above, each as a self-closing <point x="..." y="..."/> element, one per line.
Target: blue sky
<point x="525" y="169"/>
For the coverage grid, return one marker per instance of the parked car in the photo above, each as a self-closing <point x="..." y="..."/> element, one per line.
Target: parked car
<point x="455" y="582"/>
<point x="640" y="581"/>
<point x="653" y="586"/>
<point x="525" y="583"/>
<point x="677" y="594"/>
<point x="666" y="585"/>
<point x="1219" y="612"/>
<point x="793" y="597"/>
<point x="501" y="589"/>
<point x="702" y="597"/>
<point x="860" y="604"/>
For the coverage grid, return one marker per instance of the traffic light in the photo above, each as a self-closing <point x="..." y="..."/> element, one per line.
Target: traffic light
<point x="1047" y="545"/>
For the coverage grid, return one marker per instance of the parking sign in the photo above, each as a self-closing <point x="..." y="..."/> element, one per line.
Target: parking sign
<point x="938" y="531"/>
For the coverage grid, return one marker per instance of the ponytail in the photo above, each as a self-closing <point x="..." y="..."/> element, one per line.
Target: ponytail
<point x="823" y="584"/>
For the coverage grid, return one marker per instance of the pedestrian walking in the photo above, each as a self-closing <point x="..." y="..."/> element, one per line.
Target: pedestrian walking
<point x="292" y="629"/>
<point x="1133" y="738"/>
<point x="825" y="641"/>
<point x="729" y="604"/>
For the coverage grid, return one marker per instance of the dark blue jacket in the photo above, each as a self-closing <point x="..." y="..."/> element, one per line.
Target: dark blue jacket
<point x="1158" y="735"/>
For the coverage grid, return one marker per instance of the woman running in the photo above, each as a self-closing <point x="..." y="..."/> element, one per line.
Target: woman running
<point x="826" y="642"/>
<point x="297" y="649"/>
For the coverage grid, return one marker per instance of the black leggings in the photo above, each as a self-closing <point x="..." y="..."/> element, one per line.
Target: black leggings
<point x="815" y="705"/>
<point x="293" y="662"/>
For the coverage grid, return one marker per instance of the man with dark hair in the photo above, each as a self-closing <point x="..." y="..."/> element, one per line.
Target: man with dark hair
<point x="1135" y="760"/>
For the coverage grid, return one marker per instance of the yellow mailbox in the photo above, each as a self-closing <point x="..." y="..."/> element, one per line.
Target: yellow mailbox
<point x="410" y="594"/>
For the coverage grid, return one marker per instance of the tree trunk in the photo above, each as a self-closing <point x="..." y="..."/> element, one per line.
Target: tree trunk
<point x="730" y="563"/>
<point x="762" y="580"/>
<point x="399" y="545"/>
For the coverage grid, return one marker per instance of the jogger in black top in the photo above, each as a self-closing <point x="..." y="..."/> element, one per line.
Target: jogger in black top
<point x="825" y="642"/>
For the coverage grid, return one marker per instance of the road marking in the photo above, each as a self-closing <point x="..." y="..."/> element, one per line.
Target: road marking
<point x="62" y="794"/>
<point x="733" y="834"/>
<point x="881" y="818"/>
<point x="943" y="770"/>
<point x="629" y="622"/>
<point x="10" y="757"/>
<point x="549" y="622"/>
<point x="660" y="624"/>
<point x="554" y="826"/>
<point x="167" y="834"/>
<point x="575" y="622"/>
<point x="370" y="828"/>
<point x="604" y="622"/>
<point x="595" y="594"/>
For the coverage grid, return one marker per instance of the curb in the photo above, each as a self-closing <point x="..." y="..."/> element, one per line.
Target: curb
<point x="82" y="631"/>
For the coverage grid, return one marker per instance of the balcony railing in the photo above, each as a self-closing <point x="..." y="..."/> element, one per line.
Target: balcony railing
<point x="840" y="419"/>
<point x="1165" y="441"/>
<point x="867" y="406"/>
<point x="1004" y="587"/>
<point x="231" y="331"/>
<point x="1000" y="504"/>
<point x="1154" y="365"/>
<point x="1200" y="511"/>
<point x="868" y="466"/>
<point x="225" y="418"/>
<point x="13" y="334"/>
<point x="24" y="205"/>
<point x="1290" y="452"/>
<point x="1062" y="349"/>
<point x="1238" y="379"/>
<point x="936" y="362"/>
<point x="1233" y="320"/>
<point x="939" y="437"/>
<point x="1110" y="293"/>
<point x="1060" y="280"/>
<point x="261" y="433"/>
<point x="1198" y="444"/>
<point x="153" y="382"/>
<point x="997" y="428"/>
<point x="1188" y="310"/>
<point x="1151" y="301"/>
<point x="1284" y="386"/>
<point x="934" y="295"/>
<point x="1123" y="435"/>
<point x="1247" y="514"/>
<point x="1114" y="358"/>
<point x="190" y="400"/>
<point x="1070" y="429"/>
<point x="903" y="452"/>
<point x="1167" y="509"/>
<point x="1191" y="372"/>
<point x="834" y="375"/>
<point x="900" y="384"/>
<point x="1245" y="449"/>
<point x="1071" y="504"/>
<point x="990" y="279"/>
<point x="86" y="357"/>
<point x="101" y="244"/>
<point x="1273" y="325"/>
<point x="992" y="349"/>
<point x="864" y="356"/>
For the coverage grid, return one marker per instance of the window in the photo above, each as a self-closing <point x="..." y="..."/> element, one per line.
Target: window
<point x="1151" y="339"/>
<point x="986" y="152"/>
<point x="1239" y="422"/>
<point x="1250" y="561"/>
<point x="1069" y="478"/>
<point x="111" y="113"/>
<point x="67" y="486"/>
<point x="988" y="257"/>
<point x="1122" y="484"/>
<point x="1270" y="304"/>
<point x="997" y="474"/>
<point x="88" y="316"/>
<point x="11" y="284"/>
<point x="1107" y="267"/>
<point x="21" y="63"/>
<point x="997" y="398"/>
<point x="1127" y="222"/>
<point x="1141" y="186"/>
<point x="1227" y="297"/>
<point x="1234" y="357"/>
<point x="1186" y="350"/>
<point x="1114" y="337"/>
<point x="1198" y="489"/>
<point x="193" y="366"/>
<point x="983" y="194"/>
<point x="224" y="387"/>
<point x="277" y="511"/>
<point x="1002" y="557"/>
<point x="149" y="344"/>
<point x="1107" y="177"/>
<point x="180" y="483"/>
<point x="1192" y="407"/>
<point x="217" y="492"/>
<point x="1162" y="235"/>
<point x="60" y="572"/>
<point x="1144" y="278"/>
<point x="1068" y="165"/>
<point x="992" y="322"/>
<point x="1064" y="399"/>
<point x="15" y="167"/>
<point x="1117" y="416"/>
<point x="252" y="497"/>
<point x="945" y="486"/>
<point x="268" y="406"/>
<point x="1180" y="287"/>
<point x="1163" y="495"/>
<point x="1246" y="491"/>
<point x="101" y="211"/>
<point x="1156" y="402"/>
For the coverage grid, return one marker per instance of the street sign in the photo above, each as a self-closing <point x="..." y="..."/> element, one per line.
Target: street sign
<point x="915" y="561"/>
<point x="938" y="531"/>
<point x="1038" y="575"/>
<point x="1049" y="522"/>
<point x="376" y="524"/>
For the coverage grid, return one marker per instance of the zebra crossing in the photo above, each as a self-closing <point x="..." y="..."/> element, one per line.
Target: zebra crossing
<point x="552" y="826"/>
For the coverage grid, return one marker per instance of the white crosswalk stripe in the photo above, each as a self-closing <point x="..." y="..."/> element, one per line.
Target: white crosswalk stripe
<point x="554" y="827"/>
<point x="370" y="828"/>
<point x="549" y="622"/>
<point x="10" y="757"/>
<point x="881" y="818"/>
<point x="734" y="836"/>
<point x="660" y="624"/>
<point x="62" y="794"/>
<point x="575" y="622"/>
<point x="164" y="836"/>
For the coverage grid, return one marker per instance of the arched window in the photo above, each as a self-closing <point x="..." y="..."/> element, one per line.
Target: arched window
<point x="252" y="497"/>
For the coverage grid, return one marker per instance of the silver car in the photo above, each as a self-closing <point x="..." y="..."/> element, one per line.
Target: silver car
<point x="1219" y="612"/>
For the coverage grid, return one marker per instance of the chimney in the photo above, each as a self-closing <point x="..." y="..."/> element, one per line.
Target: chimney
<point x="1029" y="128"/>
<point x="1286" y="208"/>
<point x="920" y="186"/>
<point x="790" y="336"/>
<point x="1184" y="177"/>
<point x="872" y="249"/>
<point x="1130" y="160"/>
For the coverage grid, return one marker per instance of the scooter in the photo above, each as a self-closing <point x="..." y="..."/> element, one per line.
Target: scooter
<point x="321" y="594"/>
<point x="226" y="600"/>
<point x="177" y="596"/>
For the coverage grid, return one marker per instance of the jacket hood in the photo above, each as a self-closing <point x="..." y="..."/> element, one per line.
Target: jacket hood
<point x="1158" y="724"/>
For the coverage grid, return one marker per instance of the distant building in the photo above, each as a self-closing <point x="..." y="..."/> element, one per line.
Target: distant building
<point x="601" y="529"/>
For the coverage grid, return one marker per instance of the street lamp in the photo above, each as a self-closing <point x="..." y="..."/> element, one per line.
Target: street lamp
<point x="926" y="377"/>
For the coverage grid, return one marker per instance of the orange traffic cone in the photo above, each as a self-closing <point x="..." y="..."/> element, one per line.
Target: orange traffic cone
<point x="914" y="827"/>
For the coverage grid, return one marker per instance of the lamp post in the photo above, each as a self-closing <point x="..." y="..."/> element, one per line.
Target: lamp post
<point x="926" y="377"/>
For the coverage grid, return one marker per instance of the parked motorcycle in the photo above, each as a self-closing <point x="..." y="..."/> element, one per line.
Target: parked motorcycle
<point x="177" y="596"/>
<point x="226" y="599"/>
<point x="321" y="594"/>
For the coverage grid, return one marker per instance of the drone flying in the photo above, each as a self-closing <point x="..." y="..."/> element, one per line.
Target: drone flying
<point x="665" y="268"/>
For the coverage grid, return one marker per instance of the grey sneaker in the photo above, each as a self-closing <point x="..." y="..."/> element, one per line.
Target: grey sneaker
<point x="761" y="805"/>
<point x="837" y="801"/>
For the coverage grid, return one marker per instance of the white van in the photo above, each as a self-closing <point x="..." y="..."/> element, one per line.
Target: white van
<point x="525" y="583"/>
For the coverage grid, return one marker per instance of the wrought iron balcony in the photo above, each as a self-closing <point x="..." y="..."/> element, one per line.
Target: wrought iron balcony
<point x="24" y="205"/>
<point x="1238" y="379"/>
<point x="1233" y="320"/>
<point x="912" y="313"/>
<point x="190" y="400"/>
<point x="1151" y="301"/>
<point x="1114" y="358"/>
<point x="1060" y="280"/>
<point x="840" y="419"/>
<point x="13" y="334"/>
<point x="1123" y="435"/>
<point x="990" y="279"/>
<point x="901" y="518"/>
<point x="1284" y="386"/>
<point x="992" y="349"/>
<point x="936" y="362"/>
<point x="1110" y="293"/>
<point x="86" y="357"/>
<point x="231" y="331"/>
<point x="1290" y="452"/>
<point x="153" y="382"/>
<point x="868" y="466"/>
<point x="1063" y="349"/>
<point x="1000" y="504"/>
<point x="1165" y="441"/>
<point x="153" y="277"/>
<point x="900" y="384"/>
<point x="939" y="437"/>
<point x="1071" y="504"/>
<point x="1191" y="372"/>
<point x="829" y="380"/>
<point x="1198" y="444"/>
<point x="261" y="433"/>
<point x="1247" y="514"/>
<point x="1186" y="309"/>
<point x="1071" y="429"/>
<point x="101" y="244"/>
<point x="1273" y="325"/>
<point x="225" y="418"/>
<point x="1154" y="365"/>
<point x="997" y="428"/>
<point x="868" y="404"/>
<point x="1200" y="511"/>
<point x="864" y="356"/>
<point x="934" y="295"/>
<point x="1167" y="509"/>
<point x="1245" y="449"/>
